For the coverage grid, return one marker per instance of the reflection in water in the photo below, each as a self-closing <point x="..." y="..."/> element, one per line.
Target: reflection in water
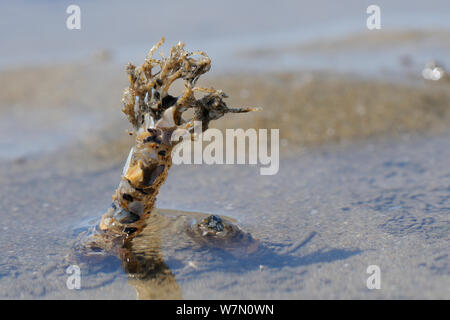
<point x="145" y="266"/>
<point x="141" y="256"/>
<point x="222" y="243"/>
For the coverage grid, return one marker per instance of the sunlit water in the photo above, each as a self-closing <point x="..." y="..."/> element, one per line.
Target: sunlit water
<point x="321" y="220"/>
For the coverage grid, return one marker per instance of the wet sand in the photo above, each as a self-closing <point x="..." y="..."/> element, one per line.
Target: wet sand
<point x="364" y="172"/>
<point x="323" y="219"/>
<point x="363" y="180"/>
<point x="310" y="108"/>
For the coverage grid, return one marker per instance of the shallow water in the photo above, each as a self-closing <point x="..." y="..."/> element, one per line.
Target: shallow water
<point x="40" y="130"/>
<point x="230" y="29"/>
<point x="323" y="219"/>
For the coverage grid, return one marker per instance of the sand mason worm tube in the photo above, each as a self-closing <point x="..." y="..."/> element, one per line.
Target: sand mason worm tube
<point x="155" y="116"/>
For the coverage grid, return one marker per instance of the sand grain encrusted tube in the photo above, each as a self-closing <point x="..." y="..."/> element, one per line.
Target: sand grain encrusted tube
<point x="155" y="116"/>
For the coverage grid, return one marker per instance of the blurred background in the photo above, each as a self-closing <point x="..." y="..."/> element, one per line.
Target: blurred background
<point x="364" y="121"/>
<point x="273" y="56"/>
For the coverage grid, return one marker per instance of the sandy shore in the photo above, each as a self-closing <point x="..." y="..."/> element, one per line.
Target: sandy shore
<point x="309" y="108"/>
